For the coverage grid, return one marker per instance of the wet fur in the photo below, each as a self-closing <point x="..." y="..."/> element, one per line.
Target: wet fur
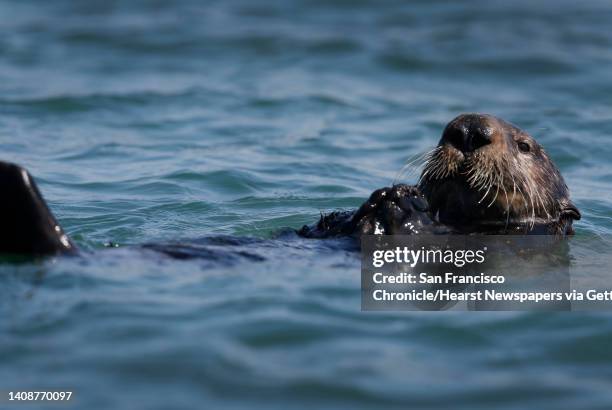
<point x="497" y="189"/>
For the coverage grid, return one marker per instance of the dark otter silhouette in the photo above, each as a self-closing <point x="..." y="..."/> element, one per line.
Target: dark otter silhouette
<point x="28" y="226"/>
<point x="485" y="175"/>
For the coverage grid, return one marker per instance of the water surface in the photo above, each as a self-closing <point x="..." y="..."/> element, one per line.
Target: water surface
<point x="159" y="121"/>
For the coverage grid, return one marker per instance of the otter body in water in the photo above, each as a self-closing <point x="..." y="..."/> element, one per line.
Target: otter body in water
<point x="28" y="226"/>
<point x="485" y="176"/>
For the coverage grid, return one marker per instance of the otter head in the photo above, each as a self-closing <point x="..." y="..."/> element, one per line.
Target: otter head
<point x="487" y="173"/>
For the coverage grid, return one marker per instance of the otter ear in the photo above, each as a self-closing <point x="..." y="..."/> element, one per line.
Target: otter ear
<point x="569" y="210"/>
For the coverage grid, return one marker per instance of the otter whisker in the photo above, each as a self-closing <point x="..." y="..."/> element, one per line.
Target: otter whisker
<point x="496" y="191"/>
<point x="414" y="162"/>
<point x="531" y="196"/>
<point x="486" y="182"/>
<point x="429" y="164"/>
<point x="525" y="203"/>
<point x="507" y="207"/>
<point x="435" y="167"/>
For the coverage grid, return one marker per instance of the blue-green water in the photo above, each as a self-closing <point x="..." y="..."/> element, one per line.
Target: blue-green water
<point x="150" y="121"/>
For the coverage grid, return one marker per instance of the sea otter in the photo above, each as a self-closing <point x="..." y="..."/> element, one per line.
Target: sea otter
<point x="28" y="226"/>
<point x="485" y="176"/>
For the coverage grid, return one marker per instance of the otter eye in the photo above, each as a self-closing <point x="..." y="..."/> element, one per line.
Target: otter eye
<point x="523" y="146"/>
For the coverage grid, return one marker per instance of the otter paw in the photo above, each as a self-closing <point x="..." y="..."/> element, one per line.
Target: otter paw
<point x="397" y="210"/>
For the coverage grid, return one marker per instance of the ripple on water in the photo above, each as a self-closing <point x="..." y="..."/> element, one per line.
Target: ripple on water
<point x="172" y="123"/>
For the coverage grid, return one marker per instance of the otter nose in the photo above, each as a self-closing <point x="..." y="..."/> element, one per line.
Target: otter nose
<point x="467" y="133"/>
